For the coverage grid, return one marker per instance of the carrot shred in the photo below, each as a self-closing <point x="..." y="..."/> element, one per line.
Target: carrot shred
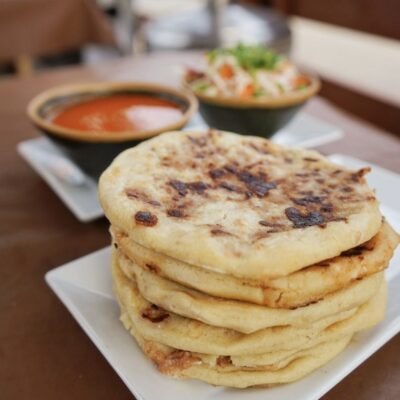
<point x="248" y="91"/>
<point x="226" y="71"/>
<point x="301" y="81"/>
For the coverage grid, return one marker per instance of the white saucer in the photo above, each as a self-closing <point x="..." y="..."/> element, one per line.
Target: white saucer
<point x="304" y="131"/>
<point x="85" y="287"/>
<point x="81" y="200"/>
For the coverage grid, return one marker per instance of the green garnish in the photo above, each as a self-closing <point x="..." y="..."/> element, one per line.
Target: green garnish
<point x="249" y="57"/>
<point x="302" y="86"/>
<point x="200" y="86"/>
<point x="259" y="92"/>
<point x="280" y="87"/>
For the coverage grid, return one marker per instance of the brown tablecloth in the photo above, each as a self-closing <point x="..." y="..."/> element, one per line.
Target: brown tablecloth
<point x="46" y="27"/>
<point x="44" y="354"/>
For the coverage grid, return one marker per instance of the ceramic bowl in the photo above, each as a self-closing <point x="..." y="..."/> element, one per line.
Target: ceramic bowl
<point x="94" y="151"/>
<point x="254" y="116"/>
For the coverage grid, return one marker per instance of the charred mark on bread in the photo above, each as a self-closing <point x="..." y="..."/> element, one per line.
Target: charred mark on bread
<point x="217" y="173"/>
<point x="256" y="184"/>
<point x="357" y="176"/>
<point x="178" y="360"/>
<point x="219" y="232"/>
<point x="224" y="361"/>
<point x="179" y="186"/>
<point x="145" y="218"/>
<point x="304" y="219"/>
<point x="155" y="314"/>
<point x="183" y="188"/>
<point x="230" y="187"/>
<point x="176" y="213"/>
<point x="309" y="199"/>
<point x="139" y="195"/>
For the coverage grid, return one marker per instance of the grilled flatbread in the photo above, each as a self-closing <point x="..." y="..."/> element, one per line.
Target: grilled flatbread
<point x="237" y="315"/>
<point x="236" y="205"/>
<point x="183" y="364"/>
<point x="159" y="325"/>
<point x="274" y="367"/>
<point x="297" y="289"/>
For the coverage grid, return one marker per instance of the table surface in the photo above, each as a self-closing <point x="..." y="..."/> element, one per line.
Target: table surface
<point x="44" y="354"/>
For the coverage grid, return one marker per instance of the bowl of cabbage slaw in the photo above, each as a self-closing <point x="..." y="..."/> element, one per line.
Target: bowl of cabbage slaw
<point x="249" y="89"/>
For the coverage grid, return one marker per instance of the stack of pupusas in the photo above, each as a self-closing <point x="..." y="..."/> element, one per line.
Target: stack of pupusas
<point x="239" y="262"/>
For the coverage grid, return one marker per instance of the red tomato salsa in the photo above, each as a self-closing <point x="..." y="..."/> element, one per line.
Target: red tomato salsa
<point x="119" y="113"/>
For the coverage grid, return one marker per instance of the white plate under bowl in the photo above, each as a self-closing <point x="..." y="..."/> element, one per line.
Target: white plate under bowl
<point x="85" y="287"/>
<point x="81" y="200"/>
<point x="304" y="131"/>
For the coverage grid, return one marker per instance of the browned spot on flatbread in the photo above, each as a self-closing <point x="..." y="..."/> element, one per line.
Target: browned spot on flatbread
<point x="303" y="219"/>
<point x="230" y="187"/>
<point x="260" y="235"/>
<point x="326" y="208"/>
<point x="198" y="141"/>
<point x="178" y="360"/>
<point x="324" y="264"/>
<point x="346" y="189"/>
<point x="270" y="224"/>
<point x="357" y="176"/>
<point x="139" y="195"/>
<point x="219" y="232"/>
<point x="145" y="218"/>
<point x="176" y="213"/>
<point x="183" y="188"/>
<point x="155" y="314"/>
<point x="217" y="173"/>
<point x="224" y="361"/>
<point x="306" y="200"/>
<point x="198" y="187"/>
<point x="232" y="169"/>
<point x="259" y="148"/>
<point x="308" y="303"/>
<point x="256" y="184"/>
<point x="152" y="268"/>
<point x="179" y="186"/>
<point x="356" y="251"/>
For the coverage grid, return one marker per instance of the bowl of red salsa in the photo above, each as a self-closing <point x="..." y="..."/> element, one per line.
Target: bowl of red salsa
<point x="93" y="122"/>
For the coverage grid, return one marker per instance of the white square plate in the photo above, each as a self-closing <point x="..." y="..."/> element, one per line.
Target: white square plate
<point x="85" y="287"/>
<point x="81" y="200"/>
<point x="304" y="131"/>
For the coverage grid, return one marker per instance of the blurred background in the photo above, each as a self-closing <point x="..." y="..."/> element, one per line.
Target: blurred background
<point x="352" y="44"/>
